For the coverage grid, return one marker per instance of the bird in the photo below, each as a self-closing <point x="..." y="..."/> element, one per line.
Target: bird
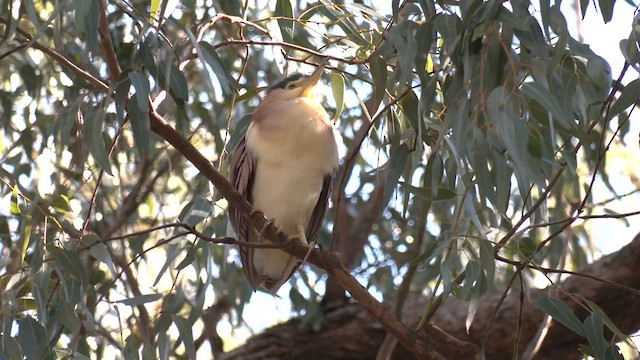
<point x="283" y="166"/>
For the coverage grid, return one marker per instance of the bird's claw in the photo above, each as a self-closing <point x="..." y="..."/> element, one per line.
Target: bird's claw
<point x="312" y="245"/>
<point x="262" y="232"/>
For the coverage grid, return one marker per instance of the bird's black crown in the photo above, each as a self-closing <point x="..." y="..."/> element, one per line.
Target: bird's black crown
<point x="283" y="83"/>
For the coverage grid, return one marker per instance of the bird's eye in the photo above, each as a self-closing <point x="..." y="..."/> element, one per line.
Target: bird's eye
<point x="290" y="86"/>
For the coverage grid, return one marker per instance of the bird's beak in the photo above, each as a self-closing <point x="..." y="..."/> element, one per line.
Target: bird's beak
<point x="309" y="86"/>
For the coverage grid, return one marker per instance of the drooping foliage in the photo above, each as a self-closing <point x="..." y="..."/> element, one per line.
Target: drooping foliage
<point x="473" y="135"/>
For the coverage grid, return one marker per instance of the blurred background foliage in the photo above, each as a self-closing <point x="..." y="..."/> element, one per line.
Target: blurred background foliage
<point x="489" y="126"/>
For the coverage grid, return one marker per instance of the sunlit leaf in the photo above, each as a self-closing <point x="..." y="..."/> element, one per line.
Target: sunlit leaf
<point x="25" y="237"/>
<point x="61" y="204"/>
<point x="337" y="87"/>
<point x="15" y="196"/>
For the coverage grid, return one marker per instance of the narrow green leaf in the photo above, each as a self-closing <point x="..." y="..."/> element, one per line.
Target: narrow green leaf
<point x="628" y="97"/>
<point x="140" y="125"/>
<point x="199" y="210"/>
<point x="61" y="204"/>
<point x="15" y="195"/>
<point x="337" y="87"/>
<point x="186" y="335"/>
<point x="32" y="338"/>
<point x="337" y="16"/>
<point x="606" y="9"/>
<point x="139" y="300"/>
<point x="188" y="259"/>
<point x="211" y="57"/>
<point x="25" y="237"/>
<point x="508" y="18"/>
<point x="378" y="68"/>
<point x="284" y="9"/>
<point x="131" y="347"/>
<point x="10" y="347"/>
<point x="426" y="193"/>
<point x="538" y="93"/>
<point x="397" y="162"/>
<point x="141" y="84"/>
<point x="154" y="10"/>
<point x="178" y="84"/>
<point x="594" y="332"/>
<point x="70" y="261"/>
<point x="100" y="252"/>
<point x="409" y="105"/>
<point x="68" y="317"/>
<point x="487" y="261"/>
<point x="584" y="4"/>
<point x="172" y="252"/>
<point x="607" y="321"/>
<point x="70" y="354"/>
<point x="121" y="96"/>
<point x="526" y="246"/>
<point x="93" y="123"/>
<point x="561" y="313"/>
<point x="91" y="26"/>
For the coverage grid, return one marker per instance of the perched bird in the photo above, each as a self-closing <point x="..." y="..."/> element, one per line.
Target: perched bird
<point x="284" y="166"/>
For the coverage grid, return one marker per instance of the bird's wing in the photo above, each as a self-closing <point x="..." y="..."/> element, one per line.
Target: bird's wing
<point x="243" y="166"/>
<point x="315" y="222"/>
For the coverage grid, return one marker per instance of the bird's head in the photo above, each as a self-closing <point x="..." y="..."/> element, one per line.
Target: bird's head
<point x="296" y="85"/>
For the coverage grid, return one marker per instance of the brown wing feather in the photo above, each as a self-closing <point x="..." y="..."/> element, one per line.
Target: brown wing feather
<point x="243" y="166"/>
<point x="315" y="222"/>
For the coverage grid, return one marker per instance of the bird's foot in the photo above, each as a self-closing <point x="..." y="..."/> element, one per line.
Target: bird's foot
<point x="303" y="238"/>
<point x="312" y="245"/>
<point x="262" y="232"/>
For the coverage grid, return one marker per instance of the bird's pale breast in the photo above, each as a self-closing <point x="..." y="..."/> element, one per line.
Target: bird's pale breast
<point x="295" y="148"/>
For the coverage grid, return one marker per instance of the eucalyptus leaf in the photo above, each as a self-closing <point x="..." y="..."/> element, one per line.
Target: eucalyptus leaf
<point x="94" y="135"/>
<point x="140" y="300"/>
<point x="561" y="313"/>
<point x="337" y="87"/>
<point x="140" y="125"/>
<point x="211" y="57"/>
<point x="186" y="334"/>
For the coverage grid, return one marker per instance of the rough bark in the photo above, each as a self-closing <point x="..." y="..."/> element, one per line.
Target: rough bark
<point x="350" y="333"/>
